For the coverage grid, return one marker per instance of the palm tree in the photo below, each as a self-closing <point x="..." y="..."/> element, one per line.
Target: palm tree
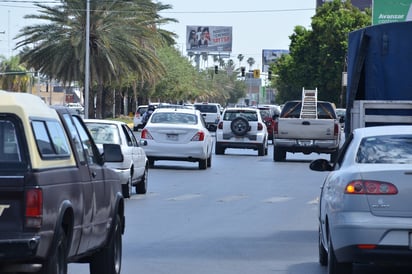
<point x="240" y="57"/>
<point x="14" y="76"/>
<point x="123" y="40"/>
<point x="251" y="62"/>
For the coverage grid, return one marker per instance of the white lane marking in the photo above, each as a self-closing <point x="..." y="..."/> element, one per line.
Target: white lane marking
<point x="232" y="198"/>
<point x="277" y="199"/>
<point x="184" y="197"/>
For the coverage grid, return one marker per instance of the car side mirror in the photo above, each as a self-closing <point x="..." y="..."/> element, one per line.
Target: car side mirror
<point x="112" y="153"/>
<point x="320" y="165"/>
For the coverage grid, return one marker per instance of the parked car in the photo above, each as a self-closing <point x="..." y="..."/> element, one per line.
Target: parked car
<point x="241" y="128"/>
<point x="211" y="113"/>
<point x="133" y="170"/>
<point x="365" y="210"/>
<point x="178" y="134"/>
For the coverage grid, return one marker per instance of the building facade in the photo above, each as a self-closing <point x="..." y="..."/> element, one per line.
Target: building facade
<point x="361" y="4"/>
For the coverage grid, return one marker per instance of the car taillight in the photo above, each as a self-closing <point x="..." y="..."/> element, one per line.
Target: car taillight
<point x="199" y="136"/>
<point x="145" y="134"/>
<point x="371" y="188"/>
<point x="260" y="126"/>
<point x="336" y="129"/>
<point x="34" y="208"/>
<point x="220" y="125"/>
<point x="275" y="127"/>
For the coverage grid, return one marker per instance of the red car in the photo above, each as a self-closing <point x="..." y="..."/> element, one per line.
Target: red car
<point x="269" y="114"/>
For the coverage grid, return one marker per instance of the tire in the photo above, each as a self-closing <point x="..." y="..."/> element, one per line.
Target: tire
<point x="57" y="259"/>
<point x="219" y="150"/>
<point x="334" y="267"/>
<point x="334" y="156"/>
<point x="261" y="150"/>
<point x="109" y="259"/>
<point x="278" y="154"/>
<point x="209" y="161"/>
<point x="141" y="187"/>
<point x="323" y="254"/>
<point x="203" y="164"/>
<point x="239" y="126"/>
<point x="126" y="188"/>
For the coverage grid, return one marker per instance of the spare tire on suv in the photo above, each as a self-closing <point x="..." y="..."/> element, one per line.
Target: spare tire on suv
<point x="239" y="126"/>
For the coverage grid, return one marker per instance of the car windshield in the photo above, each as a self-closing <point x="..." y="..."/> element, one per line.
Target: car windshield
<point x="174" y="118"/>
<point x="249" y="115"/>
<point x="394" y="149"/>
<point x="104" y="133"/>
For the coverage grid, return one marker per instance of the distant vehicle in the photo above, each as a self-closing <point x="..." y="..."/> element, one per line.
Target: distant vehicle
<point x="341" y="114"/>
<point x="137" y="119"/>
<point x="269" y="115"/>
<point x="365" y="207"/>
<point x="178" y="134"/>
<point x="241" y="128"/>
<point x="133" y="170"/>
<point x="211" y="113"/>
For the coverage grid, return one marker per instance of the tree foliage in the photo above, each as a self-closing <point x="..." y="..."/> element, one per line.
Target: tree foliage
<point x="317" y="56"/>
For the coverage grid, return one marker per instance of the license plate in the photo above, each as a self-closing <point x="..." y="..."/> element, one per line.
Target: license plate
<point x="171" y="137"/>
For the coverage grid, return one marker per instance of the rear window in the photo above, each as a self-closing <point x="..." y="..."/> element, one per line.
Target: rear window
<point x="249" y="115"/>
<point x="292" y="110"/>
<point x="207" y="108"/>
<point x="12" y="153"/>
<point x="104" y="133"/>
<point x="393" y="149"/>
<point x="174" y="118"/>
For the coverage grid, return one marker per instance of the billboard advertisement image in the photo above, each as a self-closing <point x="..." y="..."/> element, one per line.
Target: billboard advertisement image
<point x="208" y="39"/>
<point x="388" y="11"/>
<point x="269" y="56"/>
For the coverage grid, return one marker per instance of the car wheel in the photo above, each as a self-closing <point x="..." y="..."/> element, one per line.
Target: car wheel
<point x="203" y="164"/>
<point x="278" y="154"/>
<point x="334" y="156"/>
<point x="239" y="126"/>
<point x="126" y="188"/>
<point x="261" y="150"/>
<point x="334" y="267"/>
<point x="323" y="254"/>
<point x="219" y="150"/>
<point x="109" y="259"/>
<point x="141" y="187"/>
<point x="209" y="161"/>
<point x="57" y="260"/>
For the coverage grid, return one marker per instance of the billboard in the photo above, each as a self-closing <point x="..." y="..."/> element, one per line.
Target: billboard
<point x="269" y="56"/>
<point x="208" y="39"/>
<point x="388" y="11"/>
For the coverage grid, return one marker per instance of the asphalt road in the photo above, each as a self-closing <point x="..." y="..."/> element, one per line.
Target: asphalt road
<point x="246" y="214"/>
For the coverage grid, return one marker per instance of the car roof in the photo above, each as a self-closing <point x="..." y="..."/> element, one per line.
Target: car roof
<point x="180" y="110"/>
<point x="383" y="130"/>
<point x="103" y="121"/>
<point x="242" y="108"/>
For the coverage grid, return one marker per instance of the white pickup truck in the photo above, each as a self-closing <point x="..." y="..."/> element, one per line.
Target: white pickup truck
<point x="294" y="133"/>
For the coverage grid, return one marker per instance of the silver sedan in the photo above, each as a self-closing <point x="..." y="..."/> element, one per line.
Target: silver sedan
<point x="178" y="134"/>
<point x="365" y="211"/>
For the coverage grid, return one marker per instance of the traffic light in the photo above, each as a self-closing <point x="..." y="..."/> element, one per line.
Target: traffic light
<point x="243" y="71"/>
<point x="256" y="73"/>
<point x="270" y="75"/>
<point x="216" y="69"/>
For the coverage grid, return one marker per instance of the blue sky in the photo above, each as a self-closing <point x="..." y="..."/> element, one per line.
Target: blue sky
<point x="256" y="25"/>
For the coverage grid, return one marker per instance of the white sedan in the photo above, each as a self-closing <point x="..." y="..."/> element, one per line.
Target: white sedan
<point x="365" y="208"/>
<point x="178" y="134"/>
<point x="133" y="171"/>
